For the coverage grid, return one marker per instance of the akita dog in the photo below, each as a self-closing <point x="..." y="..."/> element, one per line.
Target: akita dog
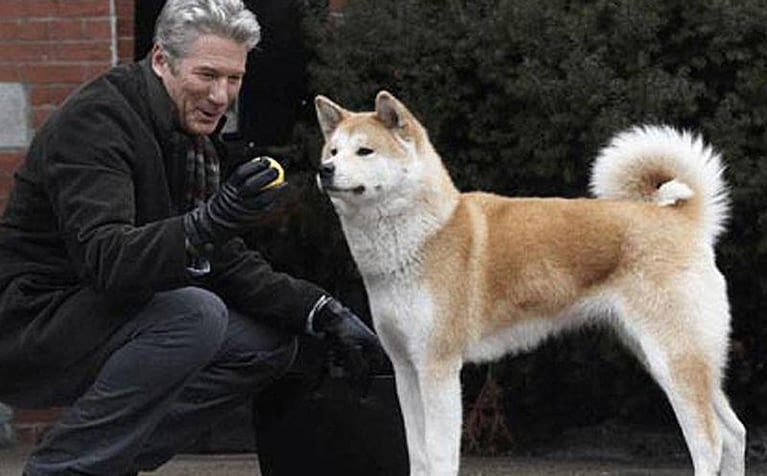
<point x="455" y="277"/>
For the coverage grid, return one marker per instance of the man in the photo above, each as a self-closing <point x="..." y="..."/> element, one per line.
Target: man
<point x="125" y="294"/>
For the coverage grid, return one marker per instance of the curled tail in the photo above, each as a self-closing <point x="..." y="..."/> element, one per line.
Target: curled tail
<point x="662" y="165"/>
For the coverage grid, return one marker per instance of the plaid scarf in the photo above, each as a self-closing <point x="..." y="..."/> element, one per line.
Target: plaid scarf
<point x="202" y="171"/>
<point x="202" y="181"/>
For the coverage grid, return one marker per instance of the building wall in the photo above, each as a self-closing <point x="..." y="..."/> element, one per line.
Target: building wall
<point x="48" y="48"/>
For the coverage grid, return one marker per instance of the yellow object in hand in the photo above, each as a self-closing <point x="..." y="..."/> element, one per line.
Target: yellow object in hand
<point x="280" y="172"/>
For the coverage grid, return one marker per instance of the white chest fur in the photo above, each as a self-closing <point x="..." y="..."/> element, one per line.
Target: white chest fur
<point x="387" y="251"/>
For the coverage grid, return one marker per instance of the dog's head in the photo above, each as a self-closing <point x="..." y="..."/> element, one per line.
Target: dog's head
<point x="371" y="157"/>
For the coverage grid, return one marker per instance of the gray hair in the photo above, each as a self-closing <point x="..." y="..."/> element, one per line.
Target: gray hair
<point x="181" y="22"/>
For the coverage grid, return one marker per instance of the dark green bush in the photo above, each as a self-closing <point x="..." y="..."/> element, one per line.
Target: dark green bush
<point x="519" y="95"/>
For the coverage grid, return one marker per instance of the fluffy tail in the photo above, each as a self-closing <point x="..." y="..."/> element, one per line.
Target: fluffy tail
<point x="661" y="165"/>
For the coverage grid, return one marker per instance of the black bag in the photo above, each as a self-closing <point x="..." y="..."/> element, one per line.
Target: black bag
<point x="304" y="427"/>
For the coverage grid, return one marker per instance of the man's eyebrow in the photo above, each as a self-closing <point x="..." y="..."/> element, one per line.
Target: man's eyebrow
<point x="211" y="69"/>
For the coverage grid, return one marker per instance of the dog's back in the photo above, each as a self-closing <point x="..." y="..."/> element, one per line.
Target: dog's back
<point x="526" y="259"/>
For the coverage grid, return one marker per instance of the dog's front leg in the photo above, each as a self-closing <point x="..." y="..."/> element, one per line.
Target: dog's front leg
<point x="441" y="395"/>
<point x="409" y="395"/>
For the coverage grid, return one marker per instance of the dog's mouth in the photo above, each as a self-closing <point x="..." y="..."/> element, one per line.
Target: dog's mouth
<point x="358" y="190"/>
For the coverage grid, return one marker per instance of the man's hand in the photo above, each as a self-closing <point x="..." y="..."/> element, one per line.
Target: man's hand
<point x="359" y="347"/>
<point x="237" y="205"/>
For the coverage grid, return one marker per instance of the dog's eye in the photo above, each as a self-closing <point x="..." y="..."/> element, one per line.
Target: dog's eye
<point x="362" y="151"/>
<point x="333" y="151"/>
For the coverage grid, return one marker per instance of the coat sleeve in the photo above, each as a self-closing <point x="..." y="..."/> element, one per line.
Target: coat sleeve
<point x="243" y="278"/>
<point x="89" y="173"/>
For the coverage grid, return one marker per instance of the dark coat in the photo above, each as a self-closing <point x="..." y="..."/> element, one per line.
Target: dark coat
<point x="93" y="229"/>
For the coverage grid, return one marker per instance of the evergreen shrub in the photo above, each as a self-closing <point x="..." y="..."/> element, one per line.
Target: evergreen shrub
<point x="519" y="95"/>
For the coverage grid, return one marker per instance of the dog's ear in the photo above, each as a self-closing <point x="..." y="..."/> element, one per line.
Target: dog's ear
<point x="329" y="114"/>
<point x="393" y="113"/>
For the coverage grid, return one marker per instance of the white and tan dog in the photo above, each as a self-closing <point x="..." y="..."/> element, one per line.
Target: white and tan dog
<point x="455" y="277"/>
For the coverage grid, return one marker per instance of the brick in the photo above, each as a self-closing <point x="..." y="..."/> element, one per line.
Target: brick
<point x="98" y="29"/>
<point x="36" y="415"/>
<point x="125" y="8"/>
<point x="126" y="49"/>
<point x="81" y="51"/>
<point x="54" y="8"/>
<point x="125" y="26"/>
<point x="51" y="73"/>
<point x="40" y="114"/>
<point x="33" y="30"/>
<point x="92" y="70"/>
<point x="31" y="425"/>
<point x="6" y="182"/>
<point x="14" y="8"/>
<point x="10" y="73"/>
<point x="83" y="8"/>
<point x="9" y="160"/>
<point x="9" y="29"/>
<point x="49" y="95"/>
<point x="65" y="29"/>
<point x="24" y="51"/>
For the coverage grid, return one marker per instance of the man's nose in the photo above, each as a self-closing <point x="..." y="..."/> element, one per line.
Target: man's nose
<point x="219" y="92"/>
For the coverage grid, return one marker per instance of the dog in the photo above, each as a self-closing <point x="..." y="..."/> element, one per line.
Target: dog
<point x="469" y="277"/>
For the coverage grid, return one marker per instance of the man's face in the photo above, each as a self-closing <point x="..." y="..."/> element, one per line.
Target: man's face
<point x="205" y="82"/>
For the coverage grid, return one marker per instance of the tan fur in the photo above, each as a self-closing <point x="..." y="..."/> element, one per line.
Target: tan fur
<point x="457" y="277"/>
<point x="517" y="254"/>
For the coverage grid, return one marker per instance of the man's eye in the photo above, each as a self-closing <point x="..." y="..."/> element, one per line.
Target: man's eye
<point x="362" y="151"/>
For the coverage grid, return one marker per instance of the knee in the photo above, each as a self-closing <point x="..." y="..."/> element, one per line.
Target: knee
<point x="283" y="356"/>
<point x="255" y="369"/>
<point x="278" y="360"/>
<point x="196" y="321"/>
<point x="275" y="360"/>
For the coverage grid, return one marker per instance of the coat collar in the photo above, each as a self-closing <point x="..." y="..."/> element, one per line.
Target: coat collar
<point x="163" y="111"/>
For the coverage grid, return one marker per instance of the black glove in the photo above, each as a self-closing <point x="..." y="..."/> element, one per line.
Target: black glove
<point x="236" y="206"/>
<point x="358" y="346"/>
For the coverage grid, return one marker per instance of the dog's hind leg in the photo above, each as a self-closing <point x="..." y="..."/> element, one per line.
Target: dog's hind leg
<point x="687" y="381"/>
<point x="690" y="380"/>
<point x="411" y="405"/>
<point x="733" y="437"/>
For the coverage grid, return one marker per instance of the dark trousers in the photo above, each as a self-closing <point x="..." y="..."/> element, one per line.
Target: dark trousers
<point x="166" y="376"/>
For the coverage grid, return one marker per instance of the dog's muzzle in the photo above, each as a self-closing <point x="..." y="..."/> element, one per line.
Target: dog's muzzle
<point x="326" y="173"/>
<point x="325" y="179"/>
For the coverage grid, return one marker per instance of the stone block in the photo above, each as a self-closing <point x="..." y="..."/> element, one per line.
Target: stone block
<point x="14" y="115"/>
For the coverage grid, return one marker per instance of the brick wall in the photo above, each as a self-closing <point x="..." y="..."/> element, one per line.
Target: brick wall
<point x="49" y="47"/>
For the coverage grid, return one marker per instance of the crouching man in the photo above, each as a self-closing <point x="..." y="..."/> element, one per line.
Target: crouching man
<point x="125" y="293"/>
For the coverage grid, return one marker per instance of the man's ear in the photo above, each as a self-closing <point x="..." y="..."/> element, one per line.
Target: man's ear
<point x="392" y="112"/>
<point x="329" y="115"/>
<point x="159" y="61"/>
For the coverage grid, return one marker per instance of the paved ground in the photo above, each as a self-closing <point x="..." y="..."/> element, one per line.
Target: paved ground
<point x="11" y="462"/>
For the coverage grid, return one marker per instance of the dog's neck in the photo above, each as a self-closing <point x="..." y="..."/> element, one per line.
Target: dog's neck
<point x="389" y="238"/>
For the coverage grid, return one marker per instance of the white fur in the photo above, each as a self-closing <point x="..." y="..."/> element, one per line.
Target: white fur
<point x="409" y="198"/>
<point x="695" y="166"/>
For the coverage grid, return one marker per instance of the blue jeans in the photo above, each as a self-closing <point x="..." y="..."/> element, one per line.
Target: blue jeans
<point x="165" y="377"/>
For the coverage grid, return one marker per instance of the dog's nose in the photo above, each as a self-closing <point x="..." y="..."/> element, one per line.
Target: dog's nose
<point x="327" y="170"/>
